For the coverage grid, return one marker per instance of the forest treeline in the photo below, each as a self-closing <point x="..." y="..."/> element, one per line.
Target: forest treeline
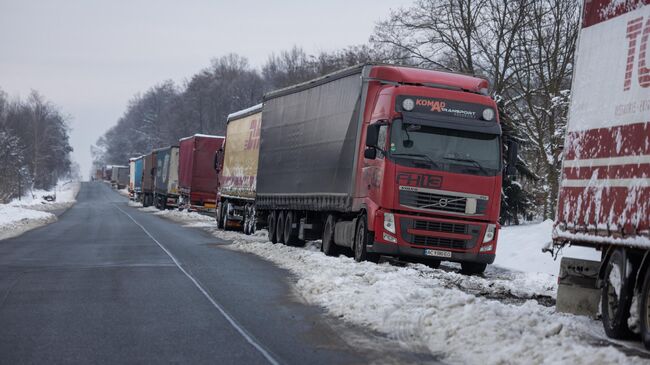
<point x="525" y="48"/>
<point x="34" y="145"/>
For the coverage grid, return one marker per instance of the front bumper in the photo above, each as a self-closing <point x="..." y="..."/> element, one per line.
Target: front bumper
<point x="461" y="240"/>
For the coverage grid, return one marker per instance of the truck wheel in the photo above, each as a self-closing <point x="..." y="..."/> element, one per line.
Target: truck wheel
<point x="279" y="227"/>
<point x="328" y="247"/>
<point x="644" y="310"/>
<point x="217" y="215"/>
<point x="616" y="296"/>
<point x="290" y="234"/>
<point x="224" y="215"/>
<point x="272" y="224"/>
<point x="361" y="243"/>
<point x="471" y="268"/>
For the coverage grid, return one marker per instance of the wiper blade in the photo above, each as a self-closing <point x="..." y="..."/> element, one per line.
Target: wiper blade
<point x="472" y="161"/>
<point x="421" y="155"/>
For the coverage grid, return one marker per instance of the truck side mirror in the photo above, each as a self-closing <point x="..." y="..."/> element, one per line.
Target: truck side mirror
<point x="370" y="153"/>
<point x="372" y="135"/>
<point x="513" y="148"/>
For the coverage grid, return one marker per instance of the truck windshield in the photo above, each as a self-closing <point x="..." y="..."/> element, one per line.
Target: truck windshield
<point x="444" y="149"/>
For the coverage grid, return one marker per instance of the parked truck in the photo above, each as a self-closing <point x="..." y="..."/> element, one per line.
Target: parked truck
<point x="137" y="178"/>
<point x="604" y="199"/>
<point x="384" y="160"/>
<point x="148" y="176"/>
<point x="237" y="165"/>
<point x="131" y="177"/>
<point x="119" y="176"/>
<point x="166" y="180"/>
<point x="197" y="177"/>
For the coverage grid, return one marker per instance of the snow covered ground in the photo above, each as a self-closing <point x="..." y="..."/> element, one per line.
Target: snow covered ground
<point x="520" y="248"/>
<point x="32" y="210"/>
<point x="501" y="318"/>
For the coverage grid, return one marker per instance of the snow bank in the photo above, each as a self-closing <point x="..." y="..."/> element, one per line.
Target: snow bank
<point x="440" y="310"/>
<point x="32" y="210"/>
<point x="65" y="192"/>
<point x="520" y="248"/>
<point x="15" y="221"/>
<point x="418" y="308"/>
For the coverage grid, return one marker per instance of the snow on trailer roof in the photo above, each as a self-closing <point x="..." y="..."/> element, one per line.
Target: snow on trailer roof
<point x="200" y="135"/>
<point x="245" y="112"/>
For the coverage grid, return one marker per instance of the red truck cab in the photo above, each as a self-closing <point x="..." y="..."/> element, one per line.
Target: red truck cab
<point x="430" y="174"/>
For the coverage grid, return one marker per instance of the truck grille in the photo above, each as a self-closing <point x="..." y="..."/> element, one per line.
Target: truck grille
<point x="441" y="201"/>
<point x="440" y="227"/>
<point x="439" y="242"/>
<point x="411" y="224"/>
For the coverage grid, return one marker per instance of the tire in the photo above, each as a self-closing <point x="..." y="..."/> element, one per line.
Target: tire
<point x="272" y="225"/>
<point x="644" y="309"/>
<point x="251" y="222"/>
<point x="217" y="215"/>
<point x="361" y="239"/>
<point x="279" y="227"/>
<point x="224" y="215"/>
<point x="616" y="306"/>
<point x="471" y="268"/>
<point x="328" y="247"/>
<point x="290" y="234"/>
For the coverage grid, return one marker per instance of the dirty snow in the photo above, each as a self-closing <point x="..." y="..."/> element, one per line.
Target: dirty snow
<point x="440" y="310"/>
<point x="32" y="210"/>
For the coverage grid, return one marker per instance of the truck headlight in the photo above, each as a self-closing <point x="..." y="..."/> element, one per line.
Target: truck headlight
<point x="408" y="104"/>
<point x="389" y="222"/>
<point x="488" y="114"/>
<point x="489" y="233"/>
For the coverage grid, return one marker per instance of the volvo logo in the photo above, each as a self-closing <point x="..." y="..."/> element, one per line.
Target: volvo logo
<point x="443" y="202"/>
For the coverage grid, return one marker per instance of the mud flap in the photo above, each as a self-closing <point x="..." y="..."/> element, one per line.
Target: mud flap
<point x="577" y="291"/>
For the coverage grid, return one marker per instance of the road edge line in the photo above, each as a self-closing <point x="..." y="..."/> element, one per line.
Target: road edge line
<point x="248" y="337"/>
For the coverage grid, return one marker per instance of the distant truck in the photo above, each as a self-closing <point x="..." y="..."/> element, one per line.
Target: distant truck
<point x="119" y="176"/>
<point x="604" y="199"/>
<point x="384" y="160"/>
<point x="131" y="176"/>
<point x="137" y="178"/>
<point x="238" y="170"/>
<point x="166" y="181"/>
<point x="197" y="177"/>
<point x="148" y="176"/>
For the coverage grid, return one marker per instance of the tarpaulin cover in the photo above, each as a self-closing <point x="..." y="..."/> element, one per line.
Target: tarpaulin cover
<point x="196" y="173"/>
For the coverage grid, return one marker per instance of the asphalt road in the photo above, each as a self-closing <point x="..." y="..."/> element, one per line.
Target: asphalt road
<point x="110" y="284"/>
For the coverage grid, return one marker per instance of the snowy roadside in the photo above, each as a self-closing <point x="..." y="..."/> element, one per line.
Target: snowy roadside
<point x="449" y="314"/>
<point x="32" y="211"/>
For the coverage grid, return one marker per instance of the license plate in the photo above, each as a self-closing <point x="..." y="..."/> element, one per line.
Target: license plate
<point x="437" y="253"/>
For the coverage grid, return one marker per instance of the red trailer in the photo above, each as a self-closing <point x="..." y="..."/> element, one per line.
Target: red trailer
<point x="604" y="199"/>
<point x="197" y="177"/>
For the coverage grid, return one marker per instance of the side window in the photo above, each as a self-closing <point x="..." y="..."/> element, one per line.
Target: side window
<point x="381" y="140"/>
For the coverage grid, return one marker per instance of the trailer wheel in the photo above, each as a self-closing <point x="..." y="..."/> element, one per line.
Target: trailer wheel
<point x="217" y="214"/>
<point x="328" y="246"/>
<point x="472" y="268"/>
<point x="290" y="234"/>
<point x="272" y="225"/>
<point x="644" y="310"/>
<point x="616" y="296"/>
<point x="224" y="215"/>
<point x="279" y="227"/>
<point x="361" y="240"/>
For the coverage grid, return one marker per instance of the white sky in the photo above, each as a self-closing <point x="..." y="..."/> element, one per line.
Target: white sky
<point x="91" y="57"/>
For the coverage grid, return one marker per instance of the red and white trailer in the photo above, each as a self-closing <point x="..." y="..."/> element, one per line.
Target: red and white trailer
<point x="604" y="199"/>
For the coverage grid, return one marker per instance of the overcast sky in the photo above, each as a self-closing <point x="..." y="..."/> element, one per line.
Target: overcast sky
<point x="91" y="57"/>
